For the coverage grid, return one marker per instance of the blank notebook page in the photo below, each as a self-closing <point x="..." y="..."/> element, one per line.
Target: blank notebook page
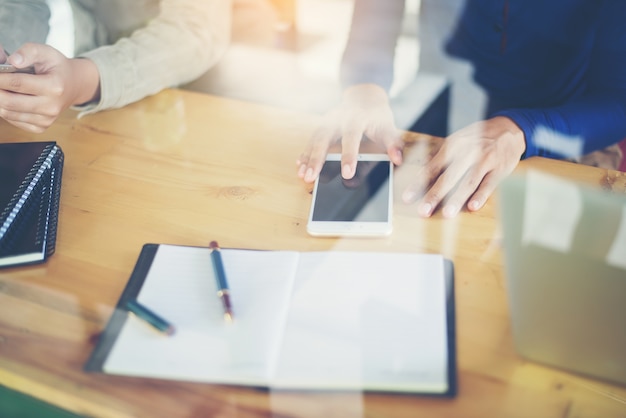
<point x="310" y="320"/>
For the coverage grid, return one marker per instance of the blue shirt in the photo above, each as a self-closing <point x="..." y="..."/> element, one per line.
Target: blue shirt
<point x="555" y="67"/>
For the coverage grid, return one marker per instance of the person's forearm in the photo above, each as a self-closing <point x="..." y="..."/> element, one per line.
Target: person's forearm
<point x="369" y="53"/>
<point x="175" y="47"/>
<point x="571" y="130"/>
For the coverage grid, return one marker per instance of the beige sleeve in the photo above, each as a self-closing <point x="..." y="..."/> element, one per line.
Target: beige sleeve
<point x="182" y="42"/>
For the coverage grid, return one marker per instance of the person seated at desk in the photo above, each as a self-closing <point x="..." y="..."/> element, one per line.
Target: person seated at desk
<point x="125" y="51"/>
<point x="555" y="78"/>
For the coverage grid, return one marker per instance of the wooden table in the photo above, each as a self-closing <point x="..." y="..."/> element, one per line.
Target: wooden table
<point x="187" y="168"/>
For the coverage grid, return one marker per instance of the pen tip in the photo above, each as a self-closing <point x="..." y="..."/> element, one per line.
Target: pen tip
<point x="213" y="245"/>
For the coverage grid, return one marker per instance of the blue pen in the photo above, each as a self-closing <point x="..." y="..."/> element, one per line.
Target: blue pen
<point x="150" y="317"/>
<point x="220" y="277"/>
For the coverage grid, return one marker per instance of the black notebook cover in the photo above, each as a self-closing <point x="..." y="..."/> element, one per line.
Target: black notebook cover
<point x="29" y="201"/>
<point x="109" y="335"/>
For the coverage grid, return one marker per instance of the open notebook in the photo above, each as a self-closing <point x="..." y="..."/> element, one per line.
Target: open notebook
<point x="303" y="320"/>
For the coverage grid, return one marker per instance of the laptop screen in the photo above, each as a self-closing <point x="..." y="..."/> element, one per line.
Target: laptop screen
<point x="565" y="265"/>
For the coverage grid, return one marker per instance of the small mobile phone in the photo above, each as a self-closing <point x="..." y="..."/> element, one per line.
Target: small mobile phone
<point x="361" y="206"/>
<point x="8" y="68"/>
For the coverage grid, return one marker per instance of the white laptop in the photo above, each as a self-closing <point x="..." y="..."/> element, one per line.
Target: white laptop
<point x="565" y="257"/>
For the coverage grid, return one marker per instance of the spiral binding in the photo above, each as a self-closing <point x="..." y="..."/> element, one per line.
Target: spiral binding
<point x="49" y="232"/>
<point x="40" y="192"/>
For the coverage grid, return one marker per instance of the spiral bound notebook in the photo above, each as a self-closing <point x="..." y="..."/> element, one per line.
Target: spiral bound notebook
<point x="29" y="201"/>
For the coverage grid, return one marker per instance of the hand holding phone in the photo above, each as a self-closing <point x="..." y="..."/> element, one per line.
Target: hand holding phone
<point x="360" y="206"/>
<point x="39" y="100"/>
<point x="8" y="68"/>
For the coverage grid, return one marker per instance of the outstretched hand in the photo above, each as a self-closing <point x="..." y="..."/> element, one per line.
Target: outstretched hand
<point x="364" y="111"/>
<point x="34" y="101"/>
<point x="467" y="168"/>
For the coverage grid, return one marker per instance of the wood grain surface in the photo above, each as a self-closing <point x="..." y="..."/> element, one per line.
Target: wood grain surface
<point x="187" y="168"/>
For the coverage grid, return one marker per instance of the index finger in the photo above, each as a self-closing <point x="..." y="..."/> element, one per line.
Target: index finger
<point x="350" y="144"/>
<point x="20" y="82"/>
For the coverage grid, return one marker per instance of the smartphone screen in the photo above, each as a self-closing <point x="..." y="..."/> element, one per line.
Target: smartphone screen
<point x="360" y="205"/>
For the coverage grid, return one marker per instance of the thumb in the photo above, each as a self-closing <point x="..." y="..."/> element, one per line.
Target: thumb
<point x="16" y="59"/>
<point x="31" y="55"/>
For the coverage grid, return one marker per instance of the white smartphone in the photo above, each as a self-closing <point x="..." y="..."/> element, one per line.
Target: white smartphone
<point x="361" y="206"/>
<point x="8" y="68"/>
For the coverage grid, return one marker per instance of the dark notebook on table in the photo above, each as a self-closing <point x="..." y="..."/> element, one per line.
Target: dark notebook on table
<point x="29" y="201"/>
